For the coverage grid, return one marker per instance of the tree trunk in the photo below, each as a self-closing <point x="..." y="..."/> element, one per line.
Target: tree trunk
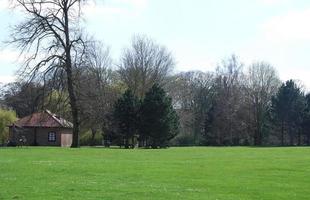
<point x="299" y="138"/>
<point x="127" y="143"/>
<point x="133" y="142"/>
<point x="291" y="136"/>
<point x="154" y="143"/>
<point x="282" y="133"/>
<point x="93" y="134"/>
<point x="71" y="90"/>
<point x="258" y="138"/>
<point x="255" y="137"/>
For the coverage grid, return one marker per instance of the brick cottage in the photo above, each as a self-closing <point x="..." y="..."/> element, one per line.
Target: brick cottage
<point x="42" y="129"/>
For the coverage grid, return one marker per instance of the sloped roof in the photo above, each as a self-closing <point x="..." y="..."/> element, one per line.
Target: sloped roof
<point x="44" y="119"/>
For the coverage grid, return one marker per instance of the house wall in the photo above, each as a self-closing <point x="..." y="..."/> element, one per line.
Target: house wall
<point x="18" y="133"/>
<point x="42" y="137"/>
<point x="63" y="136"/>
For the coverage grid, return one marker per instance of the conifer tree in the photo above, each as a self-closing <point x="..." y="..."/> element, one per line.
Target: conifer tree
<point x="126" y="115"/>
<point x="287" y="109"/>
<point x="159" y="121"/>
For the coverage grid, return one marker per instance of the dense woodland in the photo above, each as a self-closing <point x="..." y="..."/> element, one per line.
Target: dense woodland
<point x="139" y="99"/>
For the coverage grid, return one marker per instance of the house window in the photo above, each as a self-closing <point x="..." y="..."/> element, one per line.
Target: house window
<point x="52" y="137"/>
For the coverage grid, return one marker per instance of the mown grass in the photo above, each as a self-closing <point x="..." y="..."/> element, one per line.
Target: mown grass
<point x="175" y="173"/>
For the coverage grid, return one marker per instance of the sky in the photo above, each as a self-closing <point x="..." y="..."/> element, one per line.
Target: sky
<point x="199" y="33"/>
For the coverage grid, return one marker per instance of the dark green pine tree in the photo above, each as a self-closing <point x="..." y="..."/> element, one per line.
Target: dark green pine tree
<point x="306" y="120"/>
<point x="159" y="122"/>
<point x="287" y="109"/>
<point x="126" y="111"/>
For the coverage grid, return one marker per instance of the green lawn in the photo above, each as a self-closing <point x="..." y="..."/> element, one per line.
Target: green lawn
<point x="175" y="173"/>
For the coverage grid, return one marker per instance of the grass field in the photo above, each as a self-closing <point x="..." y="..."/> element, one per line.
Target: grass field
<point x="175" y="173"/>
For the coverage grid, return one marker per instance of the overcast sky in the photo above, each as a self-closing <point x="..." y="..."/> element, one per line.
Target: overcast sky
<point x="199" y="33"/>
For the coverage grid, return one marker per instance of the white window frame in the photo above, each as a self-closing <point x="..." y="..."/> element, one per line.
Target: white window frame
<point x="51" y="136"/>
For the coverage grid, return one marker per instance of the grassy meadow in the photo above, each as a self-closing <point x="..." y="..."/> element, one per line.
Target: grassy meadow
<point x="175" y="173"/>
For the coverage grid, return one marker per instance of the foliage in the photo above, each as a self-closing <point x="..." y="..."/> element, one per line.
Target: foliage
<point x="306" y="120"/>
<point x="25" y="98"/>
<point x="287" y="108"/>
<point x="227" y="107"/>
<point x="87" y="139"/>
<point x="159" y="121"/>
<point x="57" y="102"/>
<point x="7" y="117"/>
<point x="126" y="111"/>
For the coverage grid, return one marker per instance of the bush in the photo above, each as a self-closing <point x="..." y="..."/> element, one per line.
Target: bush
<point x="7" y="117"/>
<point x="86" y="138"/>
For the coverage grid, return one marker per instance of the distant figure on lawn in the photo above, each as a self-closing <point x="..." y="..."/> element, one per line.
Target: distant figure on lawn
<point x="22" y="141"/>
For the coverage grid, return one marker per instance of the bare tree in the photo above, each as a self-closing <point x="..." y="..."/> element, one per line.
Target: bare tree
<point x="97" y="93"/>
<point x="51" y="42"/>
<point x="179" y="88"/>
<point x="263" y="82"/>
<point x="144" y="64"/>
<point x="191" y="93"/>
<point x="228" y="102"/>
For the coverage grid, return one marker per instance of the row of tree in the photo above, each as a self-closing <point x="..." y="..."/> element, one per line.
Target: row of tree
<point x="235" y="107"/>
<point x="232" y="106"/>
<point x="71" y="74"/>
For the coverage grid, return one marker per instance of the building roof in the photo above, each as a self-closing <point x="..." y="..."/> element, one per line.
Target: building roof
<point x="44" y="119"/>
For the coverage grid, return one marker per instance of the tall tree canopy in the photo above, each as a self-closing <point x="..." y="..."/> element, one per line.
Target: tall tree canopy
<point x="262" y="84"/>
<point x="143" y="64"/>
<point x="228" y="103"/>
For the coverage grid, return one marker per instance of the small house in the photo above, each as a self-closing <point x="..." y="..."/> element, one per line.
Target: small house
<point x="42" y="129"/>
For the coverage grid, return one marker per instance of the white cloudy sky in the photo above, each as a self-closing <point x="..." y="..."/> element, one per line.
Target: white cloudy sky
<point x="199" y="32"/>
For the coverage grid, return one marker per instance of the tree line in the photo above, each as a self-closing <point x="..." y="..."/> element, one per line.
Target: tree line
<point x="233" y="105"/>
<point x="241" y="105"/>
<point x="69" y="73"/>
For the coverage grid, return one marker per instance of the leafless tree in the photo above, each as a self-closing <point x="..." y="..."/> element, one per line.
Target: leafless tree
<point x="262" y="83"/>
<point x="191" y="93"/>
<point x="228" y="102"/>
<point x="144" y="64"/>
<point x="52" y="44"/>
<point x="97" y="91"/>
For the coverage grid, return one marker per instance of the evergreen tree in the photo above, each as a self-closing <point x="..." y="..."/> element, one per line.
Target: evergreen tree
<point x="126" y="112"/>
<point x="306" y="120"/>
<point x="287" y="109"/>
<point x="159" y="121"/>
